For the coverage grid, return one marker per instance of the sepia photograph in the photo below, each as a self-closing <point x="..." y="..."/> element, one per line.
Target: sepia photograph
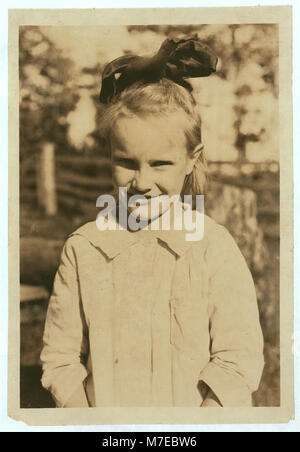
<point x="149" y="215"/>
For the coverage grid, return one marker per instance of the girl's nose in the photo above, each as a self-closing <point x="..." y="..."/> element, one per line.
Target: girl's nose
<point x="142" y="182"/>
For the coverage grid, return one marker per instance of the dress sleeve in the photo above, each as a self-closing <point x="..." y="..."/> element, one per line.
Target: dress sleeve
<point x="65" y="340"/>
<point x="236" y="363"/>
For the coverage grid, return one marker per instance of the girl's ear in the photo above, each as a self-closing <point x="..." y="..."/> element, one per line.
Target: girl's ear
<point x="193" y="157"/>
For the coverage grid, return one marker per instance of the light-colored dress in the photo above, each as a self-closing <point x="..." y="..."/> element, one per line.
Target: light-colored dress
<point x="150" y="319"/>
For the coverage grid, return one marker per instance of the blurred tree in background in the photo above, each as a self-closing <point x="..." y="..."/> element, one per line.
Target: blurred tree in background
<point x="47" y="92"/>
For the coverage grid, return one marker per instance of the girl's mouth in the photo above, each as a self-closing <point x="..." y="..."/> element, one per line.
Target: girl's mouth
<point x="143" y="198"/>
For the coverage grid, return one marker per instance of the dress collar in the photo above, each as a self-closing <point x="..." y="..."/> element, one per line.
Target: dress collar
<point x="114" y="242"/>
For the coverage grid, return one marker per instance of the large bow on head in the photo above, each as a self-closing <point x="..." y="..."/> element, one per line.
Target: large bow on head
<point x="176" y="60"/>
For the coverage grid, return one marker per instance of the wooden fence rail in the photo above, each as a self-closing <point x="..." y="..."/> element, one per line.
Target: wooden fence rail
<point x="74" y="179"/>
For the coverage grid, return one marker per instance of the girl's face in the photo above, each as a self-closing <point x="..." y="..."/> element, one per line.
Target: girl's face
<point x="149" y="155"/>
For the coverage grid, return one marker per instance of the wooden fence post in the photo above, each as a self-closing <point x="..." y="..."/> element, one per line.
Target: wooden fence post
<point x="46" y="188"/>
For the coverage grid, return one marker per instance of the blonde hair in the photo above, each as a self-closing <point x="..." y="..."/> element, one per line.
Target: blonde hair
<point x="161" y="98"/>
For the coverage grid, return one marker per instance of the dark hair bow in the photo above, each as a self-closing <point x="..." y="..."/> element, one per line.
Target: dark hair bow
<point x="176" y="60"/>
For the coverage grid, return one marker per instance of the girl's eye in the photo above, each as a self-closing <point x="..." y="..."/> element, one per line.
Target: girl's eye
<point x="161" y="163"/>
<point x="126" y="163"/>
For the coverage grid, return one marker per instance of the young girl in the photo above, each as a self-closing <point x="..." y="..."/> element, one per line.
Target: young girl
<point x="147" y="318"/>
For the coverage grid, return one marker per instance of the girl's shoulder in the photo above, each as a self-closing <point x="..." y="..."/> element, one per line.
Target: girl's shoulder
<point x="109" y="241"/>
<point x="88" y="230"/>
<point x="213" y="233"/>
<point x="87" y="234"/>
<point x="81" y="239"/>
<point x="217" y="244"/>
<point x="220" y="246"/>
